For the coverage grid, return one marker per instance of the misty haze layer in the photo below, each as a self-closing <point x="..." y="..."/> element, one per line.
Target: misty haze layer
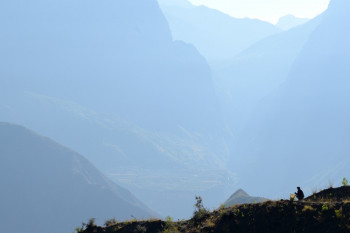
<point x="300" y="133"/>
<point x="217" y="36"/>
<point x="107" y="80"/>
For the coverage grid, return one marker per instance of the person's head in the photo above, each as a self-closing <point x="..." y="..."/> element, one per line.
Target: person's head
<point x="298" y="188"/>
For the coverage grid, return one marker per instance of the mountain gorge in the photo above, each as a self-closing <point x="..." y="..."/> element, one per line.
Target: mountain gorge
<point x="304" y="122"/>
<point x="168" y="100"/>
<point x="107" y="80"/>
<point x="217" y="36"/>
<point x="119" y="53"/>
<point x="258" y="71"/>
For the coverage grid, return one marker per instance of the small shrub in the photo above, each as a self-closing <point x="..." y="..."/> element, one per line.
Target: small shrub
<point x="345" y="182"/>
<point x="79" y="229"/>
<point x="91" y="223"/>
<point x="209" y="223"/>
<point x="169" y="226"/>
<point x="200" y="212"/>
<point x="339" y="213"/>
<point x="111" y="222"/>
<point x="325" y="207"/>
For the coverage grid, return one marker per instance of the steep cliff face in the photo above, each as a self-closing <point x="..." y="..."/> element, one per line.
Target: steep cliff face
<point x="114" y="56"/>
<point x="106" y="79"/>
<point x="218" y="36"/>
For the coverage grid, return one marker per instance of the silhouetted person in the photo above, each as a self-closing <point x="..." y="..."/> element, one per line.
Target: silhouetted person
<point x="300" y="194"/>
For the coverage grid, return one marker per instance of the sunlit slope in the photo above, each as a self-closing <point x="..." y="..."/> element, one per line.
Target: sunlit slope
<point x="216" y="35"/>
<point x="290" y="21"/>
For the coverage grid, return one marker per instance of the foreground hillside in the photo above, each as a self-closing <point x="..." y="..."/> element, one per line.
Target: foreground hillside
<point x="327" y="211"/>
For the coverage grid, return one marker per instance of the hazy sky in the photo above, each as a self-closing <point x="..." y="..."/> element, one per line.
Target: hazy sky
<point x="268" y="10"/>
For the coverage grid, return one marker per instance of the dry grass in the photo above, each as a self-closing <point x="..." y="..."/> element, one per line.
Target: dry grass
<point x="308" y="208"/>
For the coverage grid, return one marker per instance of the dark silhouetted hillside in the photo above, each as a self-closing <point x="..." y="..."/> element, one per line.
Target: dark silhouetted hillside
<point x="271" y="216"/>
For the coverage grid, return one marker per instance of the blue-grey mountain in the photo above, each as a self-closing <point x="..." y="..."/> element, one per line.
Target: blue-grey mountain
<point x="46" y="187"/>
<point x="290" y="21"/>
<point x="107" y="80"/>
<point x="299" y="136"/>
<point x="242" y="197"/>
<point x="217" y="36"/>
<point x="257" y="72"/>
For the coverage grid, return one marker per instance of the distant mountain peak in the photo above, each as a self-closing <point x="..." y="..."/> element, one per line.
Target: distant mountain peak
<point x="242" y="197"/>
<point x="176" y="3"/>
<point x="240" y="193"/>
<point x="290" y="21"/>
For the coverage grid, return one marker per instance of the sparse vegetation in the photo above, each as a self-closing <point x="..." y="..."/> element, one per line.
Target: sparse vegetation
<point x="111" y="222"/>
<point x="200" y="212"/>
<point x="345" y="182"/>
<point x="323" y="212"/>
<point x="79" y="229"/>
<point x="170" y="226"/>
<point x="308" y="208"/>
<point x="140" y="229"/>
<point x="325" y="207"/>
<point x="91" y="223"/>
<point x="222" y="206"/>
<point x="339" y="213"/>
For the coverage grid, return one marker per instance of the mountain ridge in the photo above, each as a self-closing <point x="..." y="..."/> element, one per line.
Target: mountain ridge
<point x="45" y="182"/>
<point x="217" y="36"/>
<point x="317" y="215"/>
<point x="305" y="119"/>
<point x="108" y="80"/>
<point x="242" y="197"/>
